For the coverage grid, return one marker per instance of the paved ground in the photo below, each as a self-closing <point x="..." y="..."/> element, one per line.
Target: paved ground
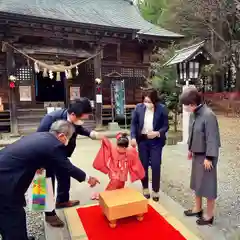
<point x="176" y="173"/>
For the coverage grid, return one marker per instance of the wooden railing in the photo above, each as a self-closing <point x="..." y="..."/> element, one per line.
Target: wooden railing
<point x="5" y="121"/>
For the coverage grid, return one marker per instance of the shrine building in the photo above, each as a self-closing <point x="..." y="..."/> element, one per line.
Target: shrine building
<point x="110" y="36"/>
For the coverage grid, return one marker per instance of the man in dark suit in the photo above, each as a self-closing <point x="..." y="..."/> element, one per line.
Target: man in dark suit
<point x="18" y="165"/>
<point x="74" y="114"/>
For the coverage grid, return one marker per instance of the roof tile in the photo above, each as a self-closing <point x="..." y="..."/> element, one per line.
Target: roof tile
<point x="113" y="13"/>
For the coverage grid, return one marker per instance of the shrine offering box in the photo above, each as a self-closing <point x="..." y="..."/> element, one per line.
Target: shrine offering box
<point x="122" y="203"/>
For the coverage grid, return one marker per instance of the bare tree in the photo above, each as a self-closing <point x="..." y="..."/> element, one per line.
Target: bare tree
<point x="218" y="22"/>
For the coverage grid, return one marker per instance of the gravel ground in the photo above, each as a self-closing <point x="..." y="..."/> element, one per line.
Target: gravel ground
<point x="35" y="224"/>
<point x="176" y="176"/>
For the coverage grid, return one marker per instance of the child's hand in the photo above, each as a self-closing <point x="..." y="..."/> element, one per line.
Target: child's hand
<point x="133" y="143"/>
<point x="93" y="181"/>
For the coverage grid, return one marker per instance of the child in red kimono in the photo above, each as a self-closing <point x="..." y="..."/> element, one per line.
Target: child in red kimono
<point x="117" y="161"/>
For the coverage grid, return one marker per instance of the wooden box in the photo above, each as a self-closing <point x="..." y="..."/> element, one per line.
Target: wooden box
<point x="122" y="203"/>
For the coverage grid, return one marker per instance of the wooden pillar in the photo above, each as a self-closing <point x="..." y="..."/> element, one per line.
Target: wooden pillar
<point x="67" y="92"/>
<point x="118" y="52"/>
<point x="98" y="87"/>
<point x="12" y="91"/>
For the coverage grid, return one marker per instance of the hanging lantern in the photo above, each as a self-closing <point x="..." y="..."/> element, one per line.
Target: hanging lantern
<point x="58" y="77"/>
<point x="66" y="74"/>
<point x="12" y="78"/>
<point x="98" y="90"/>
<point x="98" y="81"/>
<point x="45" y="73"/>
<point x="12" y="85"/>
<point x="50" y="74"/>
<point x="70" y="74"/>
<point x="36" y="68"/>
<point x="77" y="73"/>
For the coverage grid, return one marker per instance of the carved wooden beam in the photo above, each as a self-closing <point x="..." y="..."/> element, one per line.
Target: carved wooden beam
<point x="16" y="31"/>
<point x="20" y="28"/>
<point x="110" y="40"/>
<point x="35" y="49"/>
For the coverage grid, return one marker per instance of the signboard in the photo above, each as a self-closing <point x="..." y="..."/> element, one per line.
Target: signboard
<point x="74" y="93"/>
<point x="99" y="98"/>
<point x="118" y="97"/>
<point x="25" y="93"/>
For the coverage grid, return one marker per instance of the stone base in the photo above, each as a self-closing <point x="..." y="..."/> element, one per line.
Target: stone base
<point x="113" y="126"/>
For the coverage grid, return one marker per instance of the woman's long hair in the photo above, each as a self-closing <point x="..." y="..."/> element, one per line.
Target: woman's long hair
<point x="153" y="95"/>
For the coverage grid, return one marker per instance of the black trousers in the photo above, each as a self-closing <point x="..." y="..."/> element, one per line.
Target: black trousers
<point x="13" y="224"/>
<point x="63" y="187"/>
<point x="150" y="152"/>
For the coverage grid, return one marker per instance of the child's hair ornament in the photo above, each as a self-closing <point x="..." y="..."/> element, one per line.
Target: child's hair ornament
<point x="118" y="136"/>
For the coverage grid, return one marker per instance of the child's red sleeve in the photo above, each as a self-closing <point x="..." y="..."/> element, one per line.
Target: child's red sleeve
<point x="136" y="169"/>
<point x="101" y="160"/>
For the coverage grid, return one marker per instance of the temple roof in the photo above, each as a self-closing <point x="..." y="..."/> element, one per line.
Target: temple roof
<point x="108" y="13"/>
<point x="185" y="54"/>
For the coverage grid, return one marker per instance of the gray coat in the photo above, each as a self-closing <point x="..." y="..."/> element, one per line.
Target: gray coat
<point x="204" y="142"/>
<point x="204" y="134"/>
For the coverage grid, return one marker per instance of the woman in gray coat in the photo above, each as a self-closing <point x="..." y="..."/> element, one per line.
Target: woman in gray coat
<point x="203" y="145"/>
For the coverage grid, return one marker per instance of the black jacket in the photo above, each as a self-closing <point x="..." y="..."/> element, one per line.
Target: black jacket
<point x="62" y="115"/>
<point x="20" y="160"/>
<point x="160" y="121"/>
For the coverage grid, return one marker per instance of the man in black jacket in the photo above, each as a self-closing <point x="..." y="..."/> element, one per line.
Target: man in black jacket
<point x="18" y="165"/>
<point x="74" y="114"/>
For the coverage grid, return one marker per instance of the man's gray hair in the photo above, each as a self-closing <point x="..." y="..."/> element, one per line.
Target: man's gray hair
<point x="62" y="126"/>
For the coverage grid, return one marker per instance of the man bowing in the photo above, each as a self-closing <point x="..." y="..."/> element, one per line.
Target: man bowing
<point x="75" y="114"/>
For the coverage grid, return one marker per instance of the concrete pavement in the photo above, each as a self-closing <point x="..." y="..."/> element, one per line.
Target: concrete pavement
<point x="83" y="157"/>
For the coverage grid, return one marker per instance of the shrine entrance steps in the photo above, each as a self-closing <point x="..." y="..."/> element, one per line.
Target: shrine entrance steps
<point x="29" y="119"/>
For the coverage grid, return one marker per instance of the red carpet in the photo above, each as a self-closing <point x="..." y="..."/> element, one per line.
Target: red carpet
<point x="154" y="226"/>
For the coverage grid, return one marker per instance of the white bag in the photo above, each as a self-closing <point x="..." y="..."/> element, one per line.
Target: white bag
<point x="50" y="200"/>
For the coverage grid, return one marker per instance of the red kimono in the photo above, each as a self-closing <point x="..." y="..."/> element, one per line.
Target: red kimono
<point x="117" y="165"/>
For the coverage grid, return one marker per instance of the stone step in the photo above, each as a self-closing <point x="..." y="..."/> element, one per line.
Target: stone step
<point x="32" y="116"/>
<point x="31" y="112"/>
<point x="26" y="128"/>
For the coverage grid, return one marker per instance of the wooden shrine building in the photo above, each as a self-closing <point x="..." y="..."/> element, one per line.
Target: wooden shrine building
<point x="111" y="34"/>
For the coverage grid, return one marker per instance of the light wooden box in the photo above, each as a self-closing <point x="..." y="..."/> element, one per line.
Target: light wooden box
<point x="122" y="203"/>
